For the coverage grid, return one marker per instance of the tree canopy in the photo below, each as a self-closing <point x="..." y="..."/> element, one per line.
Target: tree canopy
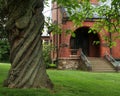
<point x="108" y="12"/>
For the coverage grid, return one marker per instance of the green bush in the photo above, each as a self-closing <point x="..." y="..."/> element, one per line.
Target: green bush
<point x="52" y="65"/>
<point x="4" y="50"/>
<point x="47" y="54"/>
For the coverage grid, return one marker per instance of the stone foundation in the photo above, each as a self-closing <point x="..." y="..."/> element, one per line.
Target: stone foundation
<point x="71" y="64"/>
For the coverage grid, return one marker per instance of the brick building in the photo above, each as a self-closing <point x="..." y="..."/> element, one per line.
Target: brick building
<point x="68" y="49"/>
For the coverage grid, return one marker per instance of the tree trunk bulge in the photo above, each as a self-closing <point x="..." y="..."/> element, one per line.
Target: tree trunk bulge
<point x="25" y="26"/>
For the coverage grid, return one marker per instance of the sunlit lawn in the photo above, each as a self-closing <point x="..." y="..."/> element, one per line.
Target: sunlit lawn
<point x="69" y="83"/>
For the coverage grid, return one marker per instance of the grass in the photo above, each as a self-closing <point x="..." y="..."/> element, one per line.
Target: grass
<point x="69" y="83"/>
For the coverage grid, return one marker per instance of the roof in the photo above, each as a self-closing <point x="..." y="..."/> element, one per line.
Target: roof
<point x="95" y="15"/>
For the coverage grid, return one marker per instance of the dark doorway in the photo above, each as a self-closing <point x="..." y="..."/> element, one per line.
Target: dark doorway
<point x="84" y="40"/>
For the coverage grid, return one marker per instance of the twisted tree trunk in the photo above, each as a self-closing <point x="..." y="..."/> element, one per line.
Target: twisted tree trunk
<point x="25" y="26"/>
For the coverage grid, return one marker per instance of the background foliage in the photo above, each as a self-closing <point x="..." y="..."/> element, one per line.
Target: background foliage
<point x="47" y="54"/>
<point x="4" y="45"/>
<point x="4" y="50"/>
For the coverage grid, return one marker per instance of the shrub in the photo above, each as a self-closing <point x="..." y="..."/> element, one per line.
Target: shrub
<point x="47" y="54"/>
<point x="4" y="50"/>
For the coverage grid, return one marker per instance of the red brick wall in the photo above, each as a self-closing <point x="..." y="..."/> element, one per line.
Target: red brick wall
<point x="94" y="1"/>
<point x="116" y="50"/>
<point x="65" y="51"/>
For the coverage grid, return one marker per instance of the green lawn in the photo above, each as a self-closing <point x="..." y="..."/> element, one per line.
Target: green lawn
<point x="69" y="83"/>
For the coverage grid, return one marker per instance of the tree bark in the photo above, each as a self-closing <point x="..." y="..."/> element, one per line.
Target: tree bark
<point x="25" y="24"/>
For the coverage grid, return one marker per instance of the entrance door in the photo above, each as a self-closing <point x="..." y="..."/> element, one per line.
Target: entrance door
<point x="84" y="40"/>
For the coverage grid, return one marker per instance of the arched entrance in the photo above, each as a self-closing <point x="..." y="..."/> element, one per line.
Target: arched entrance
<point x="84" y="40"/>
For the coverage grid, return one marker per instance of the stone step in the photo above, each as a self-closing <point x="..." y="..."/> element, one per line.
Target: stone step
<point x="104" y="70"/>
<point x="95" y="58"/>
<point x="100" y="65"/>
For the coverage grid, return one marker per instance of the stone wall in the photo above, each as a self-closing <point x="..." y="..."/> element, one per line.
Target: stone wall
<point x="71" y="64"/>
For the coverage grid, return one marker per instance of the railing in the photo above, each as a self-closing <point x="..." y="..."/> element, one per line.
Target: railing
<point x="86" y="61"/>
<point x="112" y="61"/>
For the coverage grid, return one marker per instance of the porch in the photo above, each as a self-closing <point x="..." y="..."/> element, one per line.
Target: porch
<point x="79" y="61"/>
